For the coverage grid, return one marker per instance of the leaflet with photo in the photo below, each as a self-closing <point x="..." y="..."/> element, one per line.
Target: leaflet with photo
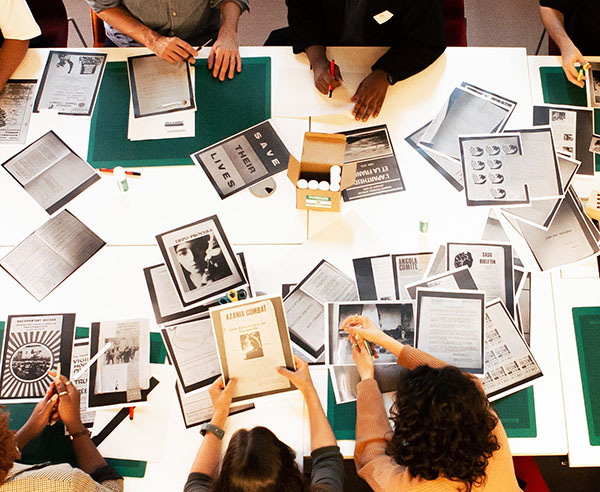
<point x="32" y="346"/>
<point x="395" y="318"/>
<point x="377" y="171"/>
<point x="166" y="304"/>
<point x="305" y="306"/>
<point x="81" y="356"/>
<point x="16" y="105"/>
<point x="509" y="363"/>
<point x="490" y="265"/>
<point x="584" y="129"/>
<point x="457" y="279"/>
<point x="159" y="87"/>
<point x="564" y="129"/>
<point x="70" y="82"/>
<point x="450" y="326"/>
<point x="200" y="261"/>
<point x="568" y="239"/>
<point x="345" y="378"/>
<point x="196" y="408"/>
<point x="252" y="341"/>
<point x="51" y="172"/>
<point x="468" y="111"/>
<point x="593" y="85"/>
<point x="123" y="371"/>
<point x="45" y="259"/>
<point x="374" y="278"/>
<point x="244" y="159"/>
<point x="192" y="351"/>
<point x="450" y="169"/>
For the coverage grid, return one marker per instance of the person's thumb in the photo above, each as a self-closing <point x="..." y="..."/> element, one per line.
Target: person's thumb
<point x="284" y="372"/>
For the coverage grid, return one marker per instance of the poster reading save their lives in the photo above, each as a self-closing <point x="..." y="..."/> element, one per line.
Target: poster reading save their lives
<point x="243" y="159"/>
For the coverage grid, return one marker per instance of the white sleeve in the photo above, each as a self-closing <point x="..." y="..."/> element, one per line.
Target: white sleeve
<point x="16" y="21"/>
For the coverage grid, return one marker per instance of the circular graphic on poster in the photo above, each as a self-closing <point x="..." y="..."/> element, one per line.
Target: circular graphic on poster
<point x="31" y="362"/>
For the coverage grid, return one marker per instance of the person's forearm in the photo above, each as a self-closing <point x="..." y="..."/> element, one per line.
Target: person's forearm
<point x="554" y="22"/>
<point x="22" y="437"/>
<point x="122" y="20"/>
<point x="316" y="54"/>
<point x="209" y="455"/>
<point x="230" y="13"/>
<point x="320" y="430"/>
<point x="88" y="457"/>
<point x="11" y="55"/>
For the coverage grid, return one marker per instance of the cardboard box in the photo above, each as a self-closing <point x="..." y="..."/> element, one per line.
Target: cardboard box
<point x="320" y="151"/>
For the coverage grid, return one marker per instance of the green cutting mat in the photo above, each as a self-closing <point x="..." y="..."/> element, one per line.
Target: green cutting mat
<point x="558" y="90"/>
<point x="223" y="109"/>
<point x="586" y="321"/>
<point x="516" y="411"/>
<point x="52" y="444"/>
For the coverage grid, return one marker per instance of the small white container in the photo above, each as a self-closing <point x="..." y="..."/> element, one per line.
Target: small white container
<point x="121" y="177"/>
<point x="334" y="187"/>
<point x="302" y="184"/>
<point x="336" y="179"/>
<point x="324" y="186"/>
<point x="313" y="184"/>
<point x="333" y="170"/>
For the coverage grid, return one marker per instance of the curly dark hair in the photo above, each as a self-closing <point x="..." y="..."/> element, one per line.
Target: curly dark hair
<point x="442" y="426"/>
<point x="8" y="450"/>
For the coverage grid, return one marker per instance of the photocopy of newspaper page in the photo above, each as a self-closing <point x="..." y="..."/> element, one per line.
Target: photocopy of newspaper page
<point x="16" y="105"/>
<point x="51" y="172"/>
<point x="193" y="353"/>
<point x="468" y="111"/>
<point x="81" y="356"/>
<point x="509" y="364"/>
<point x="70" y="82"/>
<point x="450" y="326"/>
<point x="42" y="261"/>
<point x="32" y="346"/>
<point x="252" y="341"/>
<point x="122" y="371"/>
<point x="374" y="278"/>
<point x="490" y="265"/>
<point x="456" y="279"/>
<point x="409" y="268"/>
<point x="304" y="306"/>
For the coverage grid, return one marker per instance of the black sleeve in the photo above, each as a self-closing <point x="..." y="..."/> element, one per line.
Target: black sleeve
<point x="419" y="39"/>
<point x="328" y="468"/>
<point x="564" y="6"/>
<point x="303" y="19"/>
<point x="197" y="482"/>
<point x="105" y="473"/>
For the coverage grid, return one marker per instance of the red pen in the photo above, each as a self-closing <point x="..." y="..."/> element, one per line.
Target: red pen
<point x="333" y="75"/>
<point x="131" y="413"/>
<point x="128" y="173"/>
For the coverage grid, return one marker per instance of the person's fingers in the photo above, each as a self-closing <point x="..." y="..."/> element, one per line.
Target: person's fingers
<point x="226" y="61"/>
<point x="218" y="63"/>
<point x="300" y="362"/>
<point x="338" y="74"/>
<point x="284" y="371"/>
<point x="239" y="63"/>
<point x="377" y="107"/>
<point x="188" y="48"/>
<point x="230" y="386"/>
<point x="572" y="73"/>
<point x="211" y="58"/>
<point x="232" y="65"/>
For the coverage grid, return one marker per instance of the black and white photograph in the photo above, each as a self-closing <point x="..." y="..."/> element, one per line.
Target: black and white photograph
<point x="595" y="144"/>
<point x="192" y="351"/>
<point x="243" y="159"/>
<point x="450" y="169"/>
<point x="47" y="257"/>
<point x="32" y="346"/>
<point x="122" y="371"/>
<point x="593" y="85"/>
<point x="16" y="105"/>
<point x="468" y="111"/>
<point x="70" y="82"/>
<point x="345" y="378"/>
<point x="409" y="268"/>
<point x="455" y="279"/>
<point x="200" y="261"/>
<point x="305" y="305"/>
<point x="490" y="265"/>
<point x="377" y="171"/>
<point x="51" y="172"/>
<point x="159" y="87"/>
<point x="509" y="363"/>
<point x="450" y="326"/>
<point x="395" y="318"/>
<point x="252" y="340"/>
<point x="375" y="278"/>
<point x="564" y="127"/>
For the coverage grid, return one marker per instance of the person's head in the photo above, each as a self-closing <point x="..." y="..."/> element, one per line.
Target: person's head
<point x="8" y="449"/>
<point x="256" y="461"/>
<point x="191" y="255"/>
<point x="442" y="426"/>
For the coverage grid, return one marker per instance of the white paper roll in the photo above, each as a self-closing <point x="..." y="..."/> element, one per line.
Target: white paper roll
<point x="324" y="186"/>
<point x="334" y="187"/>
<point x="313" y="184"/>
<point x="302" y="184"/>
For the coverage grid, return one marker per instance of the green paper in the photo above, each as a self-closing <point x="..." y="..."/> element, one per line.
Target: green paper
<point x="558" y="90"/>
<point x="342" y="418"/>
<point x="158" y="352"/>
<point x="586" y="321"/>
<point x="223" y="109"/>
<point x="128" y="468"/>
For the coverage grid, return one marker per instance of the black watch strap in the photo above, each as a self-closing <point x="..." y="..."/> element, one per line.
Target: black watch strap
<point x="208" y="427"/>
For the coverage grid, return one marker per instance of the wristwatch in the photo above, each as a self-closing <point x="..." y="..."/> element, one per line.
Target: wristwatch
<point x="208" y="427"/>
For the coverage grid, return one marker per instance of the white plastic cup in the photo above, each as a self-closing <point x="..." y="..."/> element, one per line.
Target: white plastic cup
<point x="313" y="184"/>
<point x="302" y="184"/>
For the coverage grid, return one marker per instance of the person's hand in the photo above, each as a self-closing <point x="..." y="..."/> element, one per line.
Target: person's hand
<point x="300" y="378"/>
<point x="323" y="77"/>
<point x="571" y="55"/>
<point x="362" y="359"/>
<point x="370" y="95"/>
<point x="363" y="327"/>
<point x="69" y="407"/>
<point x="174" y="49"/>
<point x="43" y="414"/>
<point x="221" y="396"/>
<point x="224" y="58"/>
